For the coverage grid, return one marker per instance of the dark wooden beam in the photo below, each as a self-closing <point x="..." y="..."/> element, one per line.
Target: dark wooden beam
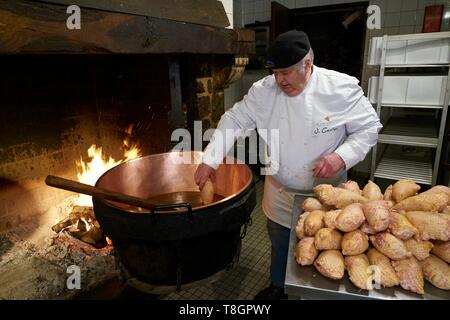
<point x="206" y="12"/>
<point x="177" y="117"/>
<point x="33" y="27"/>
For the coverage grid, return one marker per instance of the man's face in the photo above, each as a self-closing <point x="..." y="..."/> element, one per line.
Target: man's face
<point x="291" y="80"/>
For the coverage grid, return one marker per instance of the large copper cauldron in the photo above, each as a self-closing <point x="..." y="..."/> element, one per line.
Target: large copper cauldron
<point x="179" y="245"/>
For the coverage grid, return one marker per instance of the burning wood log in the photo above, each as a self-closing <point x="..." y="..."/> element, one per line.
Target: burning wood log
<point x="78" y="213"/>
<point x="95" y="237"/>
<point x="82" y="224"/>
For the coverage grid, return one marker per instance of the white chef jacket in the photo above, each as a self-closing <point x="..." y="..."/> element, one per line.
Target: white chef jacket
<point x="330" y="115"/>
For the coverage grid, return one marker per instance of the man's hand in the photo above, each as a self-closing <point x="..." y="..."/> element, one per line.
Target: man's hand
<point x="328" y="166"/>
<point x="203" y="173"/>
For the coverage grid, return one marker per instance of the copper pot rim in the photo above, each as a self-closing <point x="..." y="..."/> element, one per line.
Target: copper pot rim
<point x="140" y="211"/>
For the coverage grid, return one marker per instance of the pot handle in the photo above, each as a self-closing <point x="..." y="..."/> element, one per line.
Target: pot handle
<point x="174" y="206"/>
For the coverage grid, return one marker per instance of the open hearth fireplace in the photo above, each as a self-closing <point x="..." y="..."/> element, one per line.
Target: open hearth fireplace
<point x="79" y="103"/>
<point x="68" y="253"/>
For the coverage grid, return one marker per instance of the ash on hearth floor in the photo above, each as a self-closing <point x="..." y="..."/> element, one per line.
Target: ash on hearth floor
<point x="35" y="262"/>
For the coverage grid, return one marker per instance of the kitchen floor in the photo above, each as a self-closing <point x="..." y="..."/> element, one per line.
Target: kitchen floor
<point x="252" y="272"/>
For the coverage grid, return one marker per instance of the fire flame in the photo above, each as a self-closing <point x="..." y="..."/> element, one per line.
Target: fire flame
<point x="89" y="172"/>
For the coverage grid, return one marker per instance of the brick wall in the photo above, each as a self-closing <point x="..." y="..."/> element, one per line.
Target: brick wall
<point x="211" y="80"/>
<point x="210" y="102"/>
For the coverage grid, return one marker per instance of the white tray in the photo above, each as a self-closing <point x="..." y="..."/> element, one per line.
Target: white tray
<point x="410" y="52"/>
<point x="410" y="90"/>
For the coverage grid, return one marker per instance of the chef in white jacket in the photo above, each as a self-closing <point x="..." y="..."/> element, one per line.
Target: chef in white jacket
<point x="319" y="124"/>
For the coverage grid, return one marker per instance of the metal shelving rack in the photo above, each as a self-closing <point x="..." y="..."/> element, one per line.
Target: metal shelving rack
<point x="397" y="131"/>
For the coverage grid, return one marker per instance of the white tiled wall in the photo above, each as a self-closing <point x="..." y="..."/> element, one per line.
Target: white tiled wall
<point x="228" y="6"/>
<point x="238" y="14"/>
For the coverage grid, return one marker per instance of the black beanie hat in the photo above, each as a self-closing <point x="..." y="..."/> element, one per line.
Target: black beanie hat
<point x="287" y="49"/>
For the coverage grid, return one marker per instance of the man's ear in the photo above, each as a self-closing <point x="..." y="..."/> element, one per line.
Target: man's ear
<point x="308" y="66"/>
